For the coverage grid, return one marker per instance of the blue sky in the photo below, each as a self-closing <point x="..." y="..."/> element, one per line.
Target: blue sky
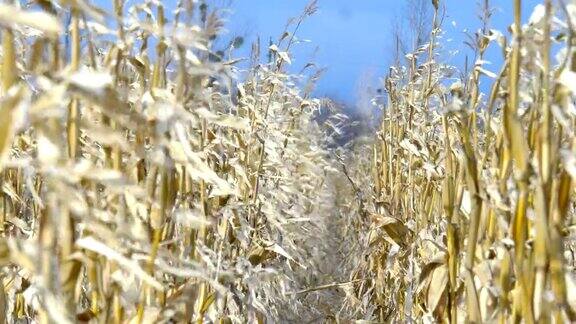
<point x="352" y="38"/>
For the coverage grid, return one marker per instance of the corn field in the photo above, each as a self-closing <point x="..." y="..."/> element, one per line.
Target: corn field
<point x="145" y="179"/>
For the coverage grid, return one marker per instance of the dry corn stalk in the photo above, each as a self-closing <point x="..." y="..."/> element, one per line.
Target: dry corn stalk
<point x="484" y="182"/>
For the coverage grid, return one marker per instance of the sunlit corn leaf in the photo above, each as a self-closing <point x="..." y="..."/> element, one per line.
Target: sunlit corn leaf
<point x="11" y="15"/>
<point x="223" y="120"/>
<point x="91" y="244"/>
